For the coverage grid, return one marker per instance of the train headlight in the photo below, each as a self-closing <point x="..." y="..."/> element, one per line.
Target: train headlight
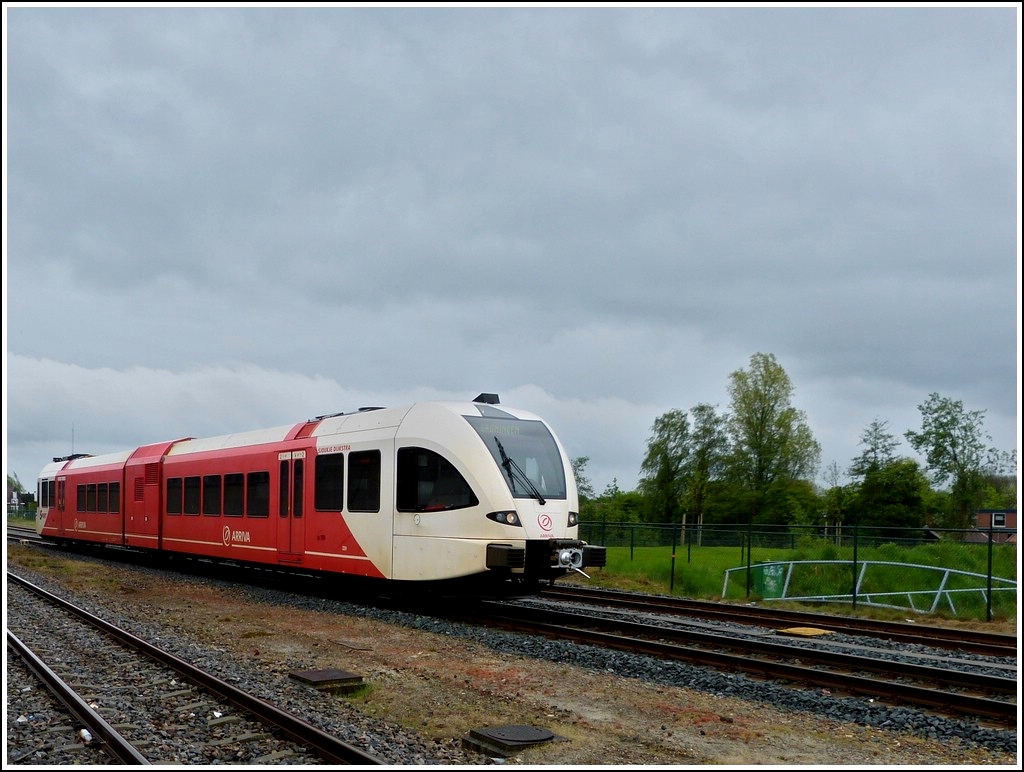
<point x="505" y="518"/>
<point x="574" y="519"/>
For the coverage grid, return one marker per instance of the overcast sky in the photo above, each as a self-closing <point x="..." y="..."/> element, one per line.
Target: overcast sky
<point x="222" y="219"/>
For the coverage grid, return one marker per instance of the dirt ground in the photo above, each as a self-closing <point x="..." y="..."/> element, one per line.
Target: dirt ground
<point x="444" y="688"/>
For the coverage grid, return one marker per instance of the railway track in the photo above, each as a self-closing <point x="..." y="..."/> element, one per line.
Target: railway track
<point x="148" y="696"/>
<point x="87" y="726"/>
<point x="936" y="682"/>
<point x="21" y="533"/>
<point x="979" y="642"/>
<point x="942" y="684"/>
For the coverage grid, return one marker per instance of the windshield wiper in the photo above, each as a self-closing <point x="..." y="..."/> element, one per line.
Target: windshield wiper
<point x="511" y="466"/>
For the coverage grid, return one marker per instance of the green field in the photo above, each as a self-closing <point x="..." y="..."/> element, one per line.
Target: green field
<point x="890" y="574"/>
<point x="699" y="572"/>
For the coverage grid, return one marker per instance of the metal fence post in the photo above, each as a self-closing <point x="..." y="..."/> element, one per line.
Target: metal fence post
<point x="853" y="593"/>
<point x="750" y="537"/>
<point x="988" y="599"/>
<point x="672" y="574"/>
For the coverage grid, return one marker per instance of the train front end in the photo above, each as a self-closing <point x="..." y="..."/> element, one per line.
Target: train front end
<point x="503" y="508"/>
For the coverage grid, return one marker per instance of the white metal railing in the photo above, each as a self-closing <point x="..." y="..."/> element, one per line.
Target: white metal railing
<point x="776" y="579"/>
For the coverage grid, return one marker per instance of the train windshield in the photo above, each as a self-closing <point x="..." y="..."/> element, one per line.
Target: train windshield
<point x="527" y="455"/>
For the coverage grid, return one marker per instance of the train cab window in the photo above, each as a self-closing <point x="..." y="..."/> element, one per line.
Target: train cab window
<point x="115" y="497"/>
<point x="211" y="494"/>
<point x="364" y="481"/>
<point x="329" y="485"/>
<point x="527" y="454"/>
<point x="427" y="481"/>
<point x="101" y="498"/>
<point x="174" y="495"/>
<point x="258" y="494"/>
<point x="80" y="503"/>
<point x="234" y="495"/>
<point x="44" y="491"/>
<point x="193" y="495"/>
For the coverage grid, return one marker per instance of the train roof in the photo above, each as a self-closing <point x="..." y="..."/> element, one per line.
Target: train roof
<point x="84" y="461"/>
<point x="234" y="440"/>
<point x="362" y="419"/>
<point x="386" y="417"/>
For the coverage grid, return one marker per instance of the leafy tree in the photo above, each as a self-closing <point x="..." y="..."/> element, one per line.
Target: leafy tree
<point x="21" y="495"/>
<point x="771" y="441"/>
<point x="583" y="485"/>
<point x="837" y="499"/>
<point x="953" y="442"/>
<point x="892" y="495"/>
<point x="936" y="507"/>
<point x="705" y="462"/>
<point x="792" y="501"/>
<point x="661" y="473"/>
<point x="888" y="491"/>
<point x="616" y="506"/>
<point x="630" y="506"/>
<point x="588" y="507"/>
<point x="878" y="452"/>
<point x="1000" y="481"/>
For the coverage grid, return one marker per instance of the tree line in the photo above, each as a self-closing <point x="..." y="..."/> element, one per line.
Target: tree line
<point x="756" y="462"/>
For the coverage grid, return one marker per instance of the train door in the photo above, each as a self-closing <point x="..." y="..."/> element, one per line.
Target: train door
<point x="53" y="492"/>
<point x="59" y="500"/>
<point x="291" y="521"/>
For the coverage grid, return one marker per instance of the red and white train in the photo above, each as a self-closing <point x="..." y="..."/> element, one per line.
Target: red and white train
<point x="467" y="493"/>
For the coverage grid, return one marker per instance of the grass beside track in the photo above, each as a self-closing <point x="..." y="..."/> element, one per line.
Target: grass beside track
<point x="698" y="573"/>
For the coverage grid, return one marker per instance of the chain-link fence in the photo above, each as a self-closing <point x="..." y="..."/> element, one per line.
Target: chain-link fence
<point x="968" y="573"/>
<point x="20" y="512"/>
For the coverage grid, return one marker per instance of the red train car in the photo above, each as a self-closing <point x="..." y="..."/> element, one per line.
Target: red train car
<point x="433" y="492"/>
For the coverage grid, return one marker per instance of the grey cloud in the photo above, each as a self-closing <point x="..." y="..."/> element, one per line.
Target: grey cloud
<point x="611" y="205"/>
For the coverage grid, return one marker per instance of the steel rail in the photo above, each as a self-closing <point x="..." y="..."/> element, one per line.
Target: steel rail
<point x="979" y="642"/>
<point x="846" y="661"/>
<point x="580" y="630"/>
<point x="112" y="741"/>
<point x="327" y="746"/>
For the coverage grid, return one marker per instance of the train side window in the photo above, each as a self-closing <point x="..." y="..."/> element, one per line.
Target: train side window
<point x="428" y="481"/>
<point x="80" y="503"/>
<point x="258" y="494"/>
<point x="297" y="489"/>
<point x="44" y="491"/>
<point x="329" y="485"/>
<point x="364" y="481"/>
<point x="101" y="498"/>
<point x="115" y="497"/>
<point x="211" y="494"/>
<point x="173" y="495"/>
<point x="234" y="495"/>
<point x="282" y="498"/>
<point x="90" y="505"/>
<point x="193" y="495"/>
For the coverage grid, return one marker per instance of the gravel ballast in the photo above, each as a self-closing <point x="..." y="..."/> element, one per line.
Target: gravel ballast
<point x="459" y="677"/>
